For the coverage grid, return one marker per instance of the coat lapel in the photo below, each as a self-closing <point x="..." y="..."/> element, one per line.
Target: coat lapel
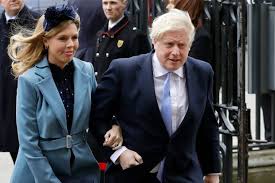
<point x="145" y="83"/>
<point x="191" y="88"/>
<point x="145" y="79"/>
<point x="196" y="94"/>
<point x="81" y="97"/>
<point x="48" y="89"/>
<point x="190" y="84"/>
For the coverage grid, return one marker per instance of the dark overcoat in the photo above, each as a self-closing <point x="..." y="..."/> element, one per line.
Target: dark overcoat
<point x="8" y="85"/>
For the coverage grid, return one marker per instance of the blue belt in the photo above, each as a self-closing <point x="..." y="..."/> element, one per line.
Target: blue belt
<point x="64" y="142"/>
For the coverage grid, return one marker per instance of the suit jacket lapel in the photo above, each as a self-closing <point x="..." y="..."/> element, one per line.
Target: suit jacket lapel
<point x="81" y="82"/>
<point x="195" y="93"/>
<point x="50" y="92"/>
<point x="191" y="93"/>
<point x="145" y="83"/>
<point x="190" y="84"/>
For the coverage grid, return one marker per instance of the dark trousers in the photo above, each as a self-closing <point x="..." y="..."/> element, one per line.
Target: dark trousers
<point x="82" y="179"/>
<point x="96" y="148"/>
<point x="131" y="175"/>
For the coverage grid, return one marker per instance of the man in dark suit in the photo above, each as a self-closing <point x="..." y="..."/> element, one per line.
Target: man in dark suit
<point x="15" y="16"/>
<point x="163" y="104"/>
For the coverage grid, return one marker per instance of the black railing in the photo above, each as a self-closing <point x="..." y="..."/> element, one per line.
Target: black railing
<point x="144" y="11"/>
<point x="138" y="10"/>
<point x="220" y="19"/>
<point x="228" y="122"/>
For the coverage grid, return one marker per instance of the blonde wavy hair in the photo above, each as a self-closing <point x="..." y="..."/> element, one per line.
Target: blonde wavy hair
<point x="27" y="48"/>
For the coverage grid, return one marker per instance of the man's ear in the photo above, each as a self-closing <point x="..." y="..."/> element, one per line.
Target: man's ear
<point x="154" y="41"/>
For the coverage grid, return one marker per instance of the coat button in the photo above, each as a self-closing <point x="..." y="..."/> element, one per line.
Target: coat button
<point x="97" y="54"/>
<point x="107" y="54"/>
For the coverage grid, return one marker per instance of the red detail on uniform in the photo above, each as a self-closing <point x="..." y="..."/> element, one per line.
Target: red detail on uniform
<point x="102" y="166"/>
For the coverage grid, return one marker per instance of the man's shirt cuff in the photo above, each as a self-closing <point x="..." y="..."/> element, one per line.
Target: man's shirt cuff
<point x="215" y="174"/>
<point x="117" y="153"/>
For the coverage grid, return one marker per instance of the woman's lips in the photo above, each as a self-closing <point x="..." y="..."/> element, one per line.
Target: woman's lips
<point x="69" y="53"/>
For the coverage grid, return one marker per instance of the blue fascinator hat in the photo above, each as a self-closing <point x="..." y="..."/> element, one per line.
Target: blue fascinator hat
<point x="54" y="15"/>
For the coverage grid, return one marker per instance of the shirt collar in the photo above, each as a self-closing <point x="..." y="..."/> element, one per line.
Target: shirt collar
<point x="59" y="73"/>
<point x="112" y="24"/>
<point x="9" y="17"/>
<point x="159" y="70"/>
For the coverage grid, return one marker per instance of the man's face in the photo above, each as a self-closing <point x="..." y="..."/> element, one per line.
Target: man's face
<point x="12" y="7"/>
<point x="172" y="49"/>
<point x="113" y="9"/>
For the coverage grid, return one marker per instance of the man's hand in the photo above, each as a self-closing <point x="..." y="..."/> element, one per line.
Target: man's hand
<point x="211" y="179"/>
<point x="113" y="138"/>
<point x="129" y="159"/>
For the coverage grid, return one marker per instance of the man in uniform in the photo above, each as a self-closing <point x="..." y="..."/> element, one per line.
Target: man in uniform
<point x="119" y="37"/>
<point x="15" y="16"/>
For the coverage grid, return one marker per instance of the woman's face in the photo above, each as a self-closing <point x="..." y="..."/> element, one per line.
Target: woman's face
<point x="62" y="46"/>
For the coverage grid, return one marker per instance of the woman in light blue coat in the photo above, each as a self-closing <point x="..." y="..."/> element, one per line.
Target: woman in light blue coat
<point x="54" y="99"/>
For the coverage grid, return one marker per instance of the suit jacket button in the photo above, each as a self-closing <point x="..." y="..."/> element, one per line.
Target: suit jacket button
<point x="97" y="55"/>
<point x="107" y="54"/>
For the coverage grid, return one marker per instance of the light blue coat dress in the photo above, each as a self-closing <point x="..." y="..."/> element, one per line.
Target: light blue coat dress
<point x="41" y="116"/>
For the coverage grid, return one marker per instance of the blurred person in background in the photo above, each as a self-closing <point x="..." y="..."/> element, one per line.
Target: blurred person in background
<point x="15" y="16"/>
<point x="119" y="38"/>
